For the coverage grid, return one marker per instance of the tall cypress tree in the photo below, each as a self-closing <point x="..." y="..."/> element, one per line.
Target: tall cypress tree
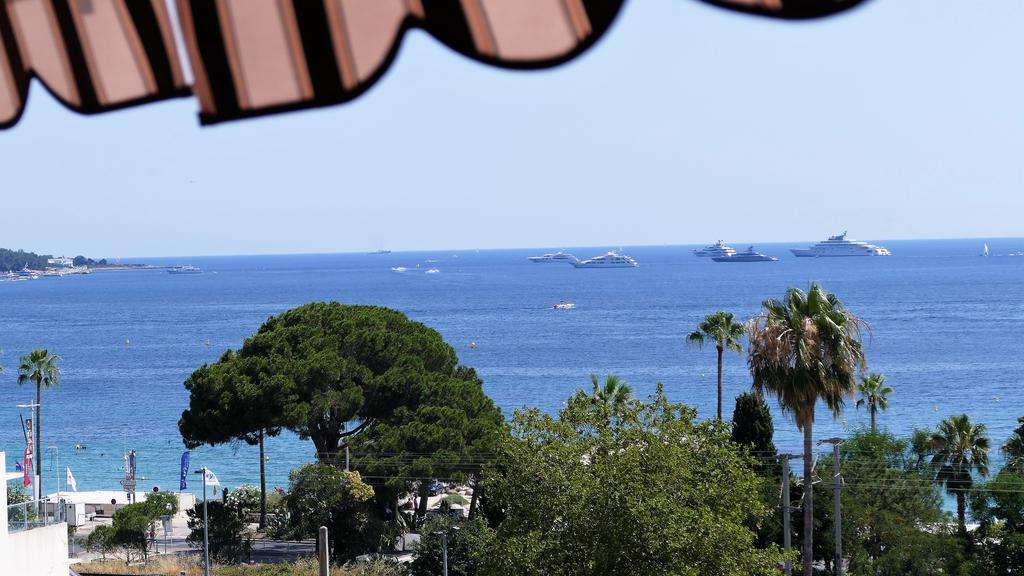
<point x="752" y="426"/>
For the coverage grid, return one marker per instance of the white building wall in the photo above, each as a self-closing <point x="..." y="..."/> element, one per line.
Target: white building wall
<point x="5" y="547"/>
<point x="37" y="552"/>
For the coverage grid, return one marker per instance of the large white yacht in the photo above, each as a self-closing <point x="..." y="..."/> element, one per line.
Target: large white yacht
<point x="840" y="245"/>
<point x="717" y="249"/>
<point x="610" y="260"/>
<point x="560" y="256"/>
<point x="749" y="256"/>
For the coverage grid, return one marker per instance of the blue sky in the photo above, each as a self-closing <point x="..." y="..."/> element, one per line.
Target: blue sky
<point x="685" y="124"/>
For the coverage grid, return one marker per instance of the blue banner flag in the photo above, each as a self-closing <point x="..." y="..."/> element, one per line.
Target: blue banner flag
<point x="184" y="471"/>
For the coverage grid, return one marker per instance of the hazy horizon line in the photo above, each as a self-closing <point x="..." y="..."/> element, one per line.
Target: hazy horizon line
<point x="371" y="251"/>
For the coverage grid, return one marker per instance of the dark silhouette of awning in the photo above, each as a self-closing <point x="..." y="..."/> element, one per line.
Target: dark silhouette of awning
<point x="256" y="57"/>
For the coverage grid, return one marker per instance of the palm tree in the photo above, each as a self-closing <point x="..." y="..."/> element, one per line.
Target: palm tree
<point x="725" y="332"/>
<point x="804" y="349"/>
<point x="611" y="398"/>
<point x="873" y="391"/>
<point x="1013" y="449"/>
<point x="959" y="448"/>
<point x="40" y="367"/>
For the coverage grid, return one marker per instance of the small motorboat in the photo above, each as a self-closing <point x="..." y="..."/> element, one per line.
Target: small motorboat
<point x="563" y="305"/>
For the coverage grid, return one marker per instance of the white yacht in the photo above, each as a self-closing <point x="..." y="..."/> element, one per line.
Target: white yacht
<point x="187" y="269"/>
<point x="840" y="245"/>
<point x="609" y="260"/>
<point x="717" y="249"/>
<point x="560" y="256"/>
<point x="749" y="256"/>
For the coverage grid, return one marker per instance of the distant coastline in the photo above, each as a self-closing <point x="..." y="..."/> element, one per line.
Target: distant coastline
<point x="19" y="265"/>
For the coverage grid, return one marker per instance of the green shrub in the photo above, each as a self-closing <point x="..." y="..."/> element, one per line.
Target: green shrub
<point x="227" y="535"/>
<point x="156" y="503"/>
<point x="245" y="499"/>
<point x="467" y="547"/>
<point x="326" y="495"/>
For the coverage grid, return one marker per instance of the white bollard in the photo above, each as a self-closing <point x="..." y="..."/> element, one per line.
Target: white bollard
<point x="325" y="566"/>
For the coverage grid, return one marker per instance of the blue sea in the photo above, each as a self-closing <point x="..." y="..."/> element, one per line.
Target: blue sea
<point x="945" y="329"/>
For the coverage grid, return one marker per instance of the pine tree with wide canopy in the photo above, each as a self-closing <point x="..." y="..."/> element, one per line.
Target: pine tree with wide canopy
<point x="228" y="401"/>
<point x="369" y="379"/>
<point x="803" y="349"/>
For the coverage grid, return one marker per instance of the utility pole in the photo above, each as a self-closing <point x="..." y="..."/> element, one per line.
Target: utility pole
<point x="787" y="509"/>
<point x="206" y="527"/>
<point x="444" y="547"/>
<point x="837" y="487"/>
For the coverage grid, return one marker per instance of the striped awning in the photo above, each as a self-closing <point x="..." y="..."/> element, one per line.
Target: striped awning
<point x="252" y="57"/>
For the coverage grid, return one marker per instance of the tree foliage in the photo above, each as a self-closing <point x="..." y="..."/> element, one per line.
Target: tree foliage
<point x="325" y="495"/>
<point x="226" y="534"/>
<point x="803" y="349"/>
<point x="39" y="367"/>
<point x="612" y="396"/>
<point x="892" y="511"/>
<point x="1013" y="448"/>
<point x="874" y="395"/>
<point x="13" y="260"/>
<point x="245" y="499"/>
<point x="999" y="506"/>
<point x="343" y="364"/>
<point x="127" y="535"/>
<point x="364" y="377"/>
<point x="468" y="547"/>
<point x="752" y="425"/>
<point x="229" y="401"/>
<point x="83" y="261"/>
<point x="959" y="448"/>
<point x="722" y="330"/>
<point x="651" y="493"/>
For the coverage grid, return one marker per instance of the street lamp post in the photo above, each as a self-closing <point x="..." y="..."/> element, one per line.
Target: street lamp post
<point x="206" y="530"/>
<point x="167" y="524"/>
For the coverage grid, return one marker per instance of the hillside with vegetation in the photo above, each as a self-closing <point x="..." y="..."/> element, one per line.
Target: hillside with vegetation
<point x="14" y="260"/>
<point x="18" y="259"/>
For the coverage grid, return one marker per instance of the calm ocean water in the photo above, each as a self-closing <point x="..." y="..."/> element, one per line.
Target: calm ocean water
<point x="945" y="329"/>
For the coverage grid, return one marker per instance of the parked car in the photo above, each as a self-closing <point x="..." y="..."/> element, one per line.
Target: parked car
<point x="435" y="488"/>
